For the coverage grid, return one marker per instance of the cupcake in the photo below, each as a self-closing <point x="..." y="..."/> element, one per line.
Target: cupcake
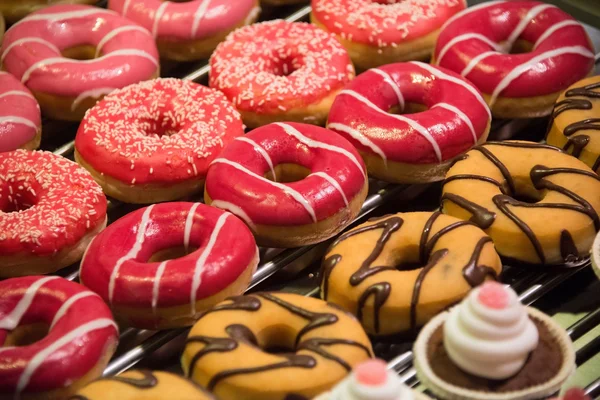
<point x="492" y="347"/>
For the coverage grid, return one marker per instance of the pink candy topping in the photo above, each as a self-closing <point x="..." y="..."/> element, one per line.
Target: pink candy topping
<point x="371" y="373"/>
<point x="493" y="295"/>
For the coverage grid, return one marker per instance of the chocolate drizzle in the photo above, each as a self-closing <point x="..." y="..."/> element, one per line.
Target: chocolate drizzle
<point x="316" y="346"/>
<point x="381" y="291"/>
<point x="481" y="216"/>
<point x="501" y="167"/>
<point x="328" y="266"/>
<point x="433" y="261"/>
<point x="568" y="249"/>
<point x="476" y="178"/>
<point x="147" y="381"/>
<point x="589" y="123"/>
<point x="475" y="274"/>
<point x="578" y="143"/>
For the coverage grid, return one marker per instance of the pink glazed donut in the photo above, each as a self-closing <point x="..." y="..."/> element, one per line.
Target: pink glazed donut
<point x="293" y="184"/>
<point x="81" y="337"/>
<point x="71" y="55"/>
<point x="20" y="120"/>
<point x="189" y="30"/>
<point x="419" y="146"/>
<point x="161" y="266"/>
<point x="554" y="51"/>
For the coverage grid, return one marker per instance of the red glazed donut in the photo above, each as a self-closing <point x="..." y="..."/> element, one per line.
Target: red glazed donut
<point x="50" y="209"/>
<point x="293" y="184"/>
<point x="81" y="337"/>
<point x="190" y="30"/>
<point x="417" y="147"/>
<point x="153" y="141"/>
<point x="70" y="55"/>
<point x="382" y="32"/>
<point x="132" y="264"/>
<point x="20" y="120"/>
<point x="280" y="71"/>
<point x="476" y="43"/>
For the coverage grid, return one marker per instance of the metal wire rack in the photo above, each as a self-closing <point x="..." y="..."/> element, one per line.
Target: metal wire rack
<point x="136" y="345"/>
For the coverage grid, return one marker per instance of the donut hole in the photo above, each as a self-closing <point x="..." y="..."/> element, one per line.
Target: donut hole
<point x="85" y="52"/>
<point x="172" y="253"/>
<point x="26" y="335"/>
<point x="521" y="46"/>
<point x="409" y="108"/>
<point x="525" y="192"/>
<point x="18" y="199"/>
<point x="278" y="339"/>
<point x="287" y="66"/>
<point x="163" y="126"/>
<point x="387" y="2"/>
<point x="288" y="172"/>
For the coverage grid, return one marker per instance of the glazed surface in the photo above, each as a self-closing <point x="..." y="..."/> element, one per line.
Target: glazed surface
<point x="218" y="247"/>
<point x="277" y="66"/>
<point x="236" y="180"/>
<point x="81" y="333"/>
<point x="162" y="131"/>
<point x="456" y="118"/>
<point x="32" y="49"/>
<point x="20" y="118"/>
<point x="47" y="203"/>
<point x="476" y="43"/>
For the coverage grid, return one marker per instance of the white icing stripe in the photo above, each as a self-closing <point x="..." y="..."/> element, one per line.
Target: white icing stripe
<point x="520" y="69"/>
<point x="290" y="130"/>
<point x="125" y="7"/>
<point x="41" y="356"/>
<point x="333" y="182"/>
<point x="530" y="16"/>
<point x="413" y="124"/>
<point x="262" y="153"/>
<point x="189" y="222"/>
<point x="157" y="16"/>
<point x="156" y="286"/>
<point x="16" y="93"/>
<point x="286" y="189"/>
<point x="110" y="35"/>
<point x="466" y="85"/>
<point x="235" y="210"/>
<point x="28" y="40"/>
<point x="18" y="120"/>
<point x="59" y="60"/>
<point x="388" y="79"/>
<point x="64" y="15"/>
<point x="365" y="141"/>
<point x="67" y="304"/>
<point x="200" y="13"/>
<point x="553" y="29"/>
<point x="202" y="260"/>
<point x="475" y="61"/>
<point x="462" y="116"/>
<point x="11" y="321"/>
<point x="137" y="246"/>
<point x="469" y="10"/>
<point x="465" y="37"/>
<point x="93" y="93"/>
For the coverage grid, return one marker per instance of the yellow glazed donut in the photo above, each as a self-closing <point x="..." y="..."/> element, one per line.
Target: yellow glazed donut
<point x="537" y="203"/>
<point x="575" y="118"/>
<point x="232" y="349"/>
<point x="396" y="272"/>
<point x="142" y="385"/>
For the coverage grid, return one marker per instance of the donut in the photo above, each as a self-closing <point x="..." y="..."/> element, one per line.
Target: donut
<point x="390" y="270"/>
<point x="376" y="33"/>
<point x="575" y="118"/>
<point x="153" y="141"/>
<point x="233" y="349"/>
<point x="15" y="10"/>
<point x="140" y="385"/>
<point x="190" y="30"/>
<point x="50" y="209"/>
<point x="56" y="337"/>
<point x="20" y="119"/>
<point x="520" y="54"/>
<point x="293" y="184"/>
<point x="417" y="147"/>
<point x="71" y="55"/>
<point x="538" y="204"/>
<point x="183" y="259"/>
<point x="280" y="71"/>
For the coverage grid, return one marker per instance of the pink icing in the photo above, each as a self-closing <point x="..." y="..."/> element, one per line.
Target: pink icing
<point x="385" y="22"/>
<point x="237" y="177"/>
<point x="19" y="114"/>
<point x="277" y="66"/>
<point x="470" y="44"/>
<point x="197" y="19"/>
<point x="456" y="118"/>
<point x="493" y="295"/>
<point x="159" y="131"/>
<point x="59" y="201"/>
<point x="81" y="332"/>
<point x="31" y="50"/>
<point x="116" y="263"/>
<point x="371" y="373"/>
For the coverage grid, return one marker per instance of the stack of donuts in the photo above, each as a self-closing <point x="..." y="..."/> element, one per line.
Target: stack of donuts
<point x="279" y="150"/>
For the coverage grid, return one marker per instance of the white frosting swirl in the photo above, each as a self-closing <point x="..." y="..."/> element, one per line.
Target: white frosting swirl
<point x="490" y="342"/>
